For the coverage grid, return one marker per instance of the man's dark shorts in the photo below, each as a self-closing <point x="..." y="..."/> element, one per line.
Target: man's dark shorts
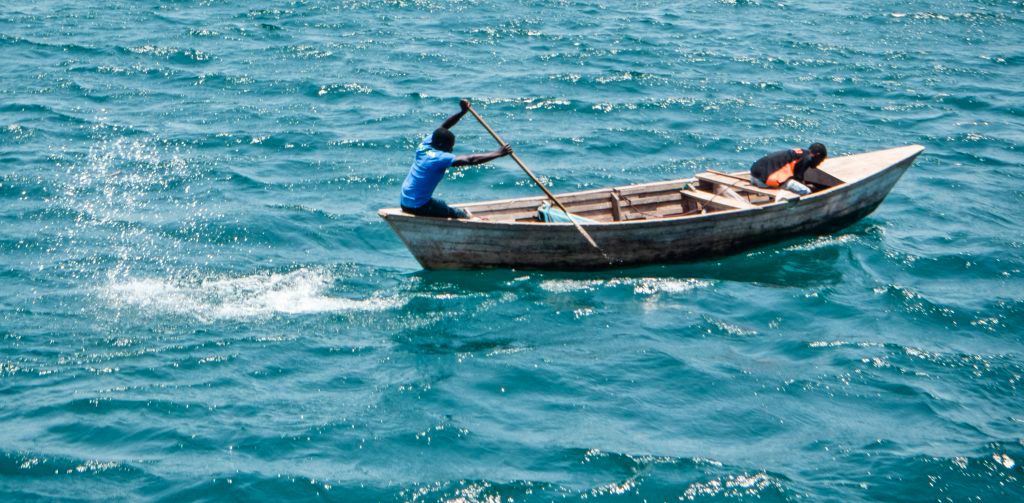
<point x="436" y="208"/>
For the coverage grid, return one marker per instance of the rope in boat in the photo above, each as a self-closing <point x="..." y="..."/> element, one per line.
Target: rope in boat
<point x="729" y="187"/>
<point x="630" y="202"/>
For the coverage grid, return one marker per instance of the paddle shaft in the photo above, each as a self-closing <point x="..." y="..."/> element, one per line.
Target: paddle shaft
<point x="535" y="180"/>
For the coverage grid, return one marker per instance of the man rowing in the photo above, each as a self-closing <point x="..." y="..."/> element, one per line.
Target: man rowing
<point x="785" y="169"/>
<point x="433" y="157"/>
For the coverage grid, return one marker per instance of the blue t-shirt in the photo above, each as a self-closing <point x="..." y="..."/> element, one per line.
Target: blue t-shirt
<point x="426" y="172"/>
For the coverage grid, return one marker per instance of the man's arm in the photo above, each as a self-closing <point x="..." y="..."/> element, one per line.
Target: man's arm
<point x="453" y="120"/>
<point x="474" y="159"/>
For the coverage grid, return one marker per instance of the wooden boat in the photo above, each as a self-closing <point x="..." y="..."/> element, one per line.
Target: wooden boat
<point x="711" y="214"/>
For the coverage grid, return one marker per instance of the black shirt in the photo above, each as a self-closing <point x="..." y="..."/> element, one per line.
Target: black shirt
<point x="765" y="166"/>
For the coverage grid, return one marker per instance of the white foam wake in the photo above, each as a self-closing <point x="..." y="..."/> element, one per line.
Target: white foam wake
<point x="260" y="295"/>
<point x="641" y="286"/>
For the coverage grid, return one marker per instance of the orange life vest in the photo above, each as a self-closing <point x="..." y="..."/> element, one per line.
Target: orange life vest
<point x="779" y="176"/>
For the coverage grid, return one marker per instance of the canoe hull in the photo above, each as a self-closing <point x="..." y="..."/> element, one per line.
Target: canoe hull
<point x="461" y="244"/>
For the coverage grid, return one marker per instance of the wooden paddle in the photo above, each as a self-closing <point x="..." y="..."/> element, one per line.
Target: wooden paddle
<point x="536" y="181"/>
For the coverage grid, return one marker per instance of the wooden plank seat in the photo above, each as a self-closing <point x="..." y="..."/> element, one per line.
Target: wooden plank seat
<point x="717" y="200"/>
<point x="736" y="182"/>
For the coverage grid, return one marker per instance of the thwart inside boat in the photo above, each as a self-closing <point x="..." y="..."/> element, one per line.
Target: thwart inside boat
<point x="707" y="192"/>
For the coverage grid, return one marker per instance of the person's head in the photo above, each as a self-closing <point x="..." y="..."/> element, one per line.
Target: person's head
<point x="818" y="153"/>
<point x="443" y="139"/>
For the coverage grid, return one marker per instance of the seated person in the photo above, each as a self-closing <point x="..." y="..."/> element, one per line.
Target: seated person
<point x="785" y="169"/>
<point x="433" y="157"/>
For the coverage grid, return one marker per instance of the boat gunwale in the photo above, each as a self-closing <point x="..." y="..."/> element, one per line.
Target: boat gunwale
<point x="392" y="214"/>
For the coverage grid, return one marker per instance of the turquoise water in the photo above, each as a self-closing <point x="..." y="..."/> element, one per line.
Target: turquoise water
<point x="199" y="302"/>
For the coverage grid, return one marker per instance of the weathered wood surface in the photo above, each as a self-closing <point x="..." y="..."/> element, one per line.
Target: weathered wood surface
<point x="740" y="183"/>
<point x="466" y="244"/>
<point x="718" y="200"/>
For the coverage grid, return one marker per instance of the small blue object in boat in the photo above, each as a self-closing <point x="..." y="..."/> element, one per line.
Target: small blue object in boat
<point x="545" y="213"/>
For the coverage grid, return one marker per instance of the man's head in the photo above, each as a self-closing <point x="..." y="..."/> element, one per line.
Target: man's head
<point x="818" y="153"/>
<point x="444" y="140"/>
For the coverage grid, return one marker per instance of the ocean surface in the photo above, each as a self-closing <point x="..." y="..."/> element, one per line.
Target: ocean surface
<point x="198" y="300"/>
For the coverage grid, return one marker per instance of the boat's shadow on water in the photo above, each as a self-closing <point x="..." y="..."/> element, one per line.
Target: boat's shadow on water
<point x="539" y="299"/>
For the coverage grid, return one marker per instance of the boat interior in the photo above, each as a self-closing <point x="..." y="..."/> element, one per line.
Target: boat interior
<point x="707" y="192"/>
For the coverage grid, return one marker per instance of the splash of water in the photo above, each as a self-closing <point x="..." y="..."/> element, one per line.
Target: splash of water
<point x="302" y="291"/>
